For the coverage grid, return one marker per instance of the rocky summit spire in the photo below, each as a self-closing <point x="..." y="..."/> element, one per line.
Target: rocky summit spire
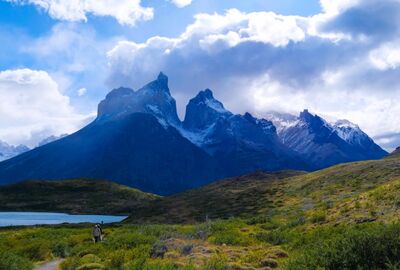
<point x="162" y="78"/>
<point x="153" y="98"/>
<point x="203" y="110"/>
<point x="160" y="84"/>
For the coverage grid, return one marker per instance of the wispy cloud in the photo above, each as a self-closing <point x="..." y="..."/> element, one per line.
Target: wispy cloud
<point x="126" y="12"/>
<point x="181" y="3"/>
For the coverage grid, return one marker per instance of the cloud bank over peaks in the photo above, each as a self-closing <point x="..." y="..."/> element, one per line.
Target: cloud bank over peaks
<point x="343" y="62"/>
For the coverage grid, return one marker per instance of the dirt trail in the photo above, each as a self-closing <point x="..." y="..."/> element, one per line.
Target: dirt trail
<point x="49" y="266"/>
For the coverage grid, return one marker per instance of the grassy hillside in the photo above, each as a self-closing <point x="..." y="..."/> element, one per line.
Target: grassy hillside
<point x="240" y="196"/>
<point x="72" y="196"/>
<point x="344" y="217"/>
<point x="352" y="192"/>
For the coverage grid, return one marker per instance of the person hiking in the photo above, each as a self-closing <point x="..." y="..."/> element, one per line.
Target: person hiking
<point x="97" y="233"/>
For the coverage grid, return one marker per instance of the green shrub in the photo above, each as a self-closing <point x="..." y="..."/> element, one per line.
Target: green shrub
<point x="91" y="266"/>
<point x="275" y="237"/>
<point x="70" y="263"/>
<point x="371" y="246"/>
<point x="217" y="262"/>
<point x="318" y="217"/>
<point x="61" y="250"/>
<point x="36" y="250"/>
<point x="10" y="261"/>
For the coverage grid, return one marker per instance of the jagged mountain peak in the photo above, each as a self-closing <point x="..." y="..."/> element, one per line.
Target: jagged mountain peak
<point x="205" y="94"/>
<point x="206" y="99"/>
<point x="203" y="111"/>
<point x="307" y="116"/>
<point x="119" y="92"/>
<point x="154" y="98"/>
<point x="160" y="84"/>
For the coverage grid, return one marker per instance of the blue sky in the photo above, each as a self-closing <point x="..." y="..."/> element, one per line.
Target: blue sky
<point x="340" y="59"/>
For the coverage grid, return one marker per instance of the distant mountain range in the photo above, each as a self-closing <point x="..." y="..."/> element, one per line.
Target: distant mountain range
<point x="8" y="151"/>
<point x="324" y="144"/>
<point x="138" y="140"/>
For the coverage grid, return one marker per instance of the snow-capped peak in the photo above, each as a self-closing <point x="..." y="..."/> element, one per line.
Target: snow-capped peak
<point x="206" y="98"/>
<point x="282" y="121"/>
<point x="350" y="132"/>
<point x="345" y="124"/>
<point x="154" y="98"/>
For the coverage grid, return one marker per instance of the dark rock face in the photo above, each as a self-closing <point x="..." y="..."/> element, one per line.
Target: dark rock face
<point x="154" y="98"/>
<point x="203" y="111"/>
<point x="136" y="151"/>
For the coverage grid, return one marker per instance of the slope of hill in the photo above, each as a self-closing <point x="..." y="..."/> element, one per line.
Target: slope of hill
<point x="352" y="192"/>
<point x="395" y="153"/>
<point x="72" y="196"/>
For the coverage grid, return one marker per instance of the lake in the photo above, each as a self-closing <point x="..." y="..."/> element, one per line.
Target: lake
<point x="39" y="218"/>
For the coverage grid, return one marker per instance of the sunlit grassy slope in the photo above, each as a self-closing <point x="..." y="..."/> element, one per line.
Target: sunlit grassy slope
<point x="344" y="217"/>
<point x="72" y="196"/>
<point x="352" y="192"/>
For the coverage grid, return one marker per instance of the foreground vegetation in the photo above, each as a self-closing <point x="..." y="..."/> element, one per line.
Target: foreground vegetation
<point x="215" y="245"/>
<point x="344" y="217"/>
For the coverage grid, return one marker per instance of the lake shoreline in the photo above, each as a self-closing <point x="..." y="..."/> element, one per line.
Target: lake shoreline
<point x="23" y="219"/>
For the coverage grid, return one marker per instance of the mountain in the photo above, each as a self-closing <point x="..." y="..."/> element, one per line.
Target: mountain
<point x="9" y="151"/>
<point x="395" y="153"/>
<point x="77" y="196"/>
<point x="138" y="140"/>
<point x="154" y="98"/>
<point x="241" y="143"/>
<point x="347" y="193"/>
<point x="323" y="144"/>
<point x="130" y="142"/>
<point x="353" y="135"/>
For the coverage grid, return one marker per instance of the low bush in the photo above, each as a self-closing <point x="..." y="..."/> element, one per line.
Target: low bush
<point x="10" y="261"/>
<point x="371" y="246"/>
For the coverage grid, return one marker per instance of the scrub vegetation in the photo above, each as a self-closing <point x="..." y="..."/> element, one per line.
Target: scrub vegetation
<point x="344" y="217"/>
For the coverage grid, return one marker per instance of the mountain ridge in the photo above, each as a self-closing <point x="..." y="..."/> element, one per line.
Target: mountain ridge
<point x="138" y="140"/>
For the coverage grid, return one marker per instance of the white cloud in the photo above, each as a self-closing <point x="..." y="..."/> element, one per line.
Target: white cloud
<point x="32" y="107"/>
<point x="181" y="3"/>
<point x="81" y="91"/>
<point x="210" y="33"/>
<point x="126" y="12"/>
<point x="386" y="56"/>
<point x="336" y="6"/>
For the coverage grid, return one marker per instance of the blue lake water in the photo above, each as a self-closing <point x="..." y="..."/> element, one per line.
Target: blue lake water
<point x="36" y="218"/>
